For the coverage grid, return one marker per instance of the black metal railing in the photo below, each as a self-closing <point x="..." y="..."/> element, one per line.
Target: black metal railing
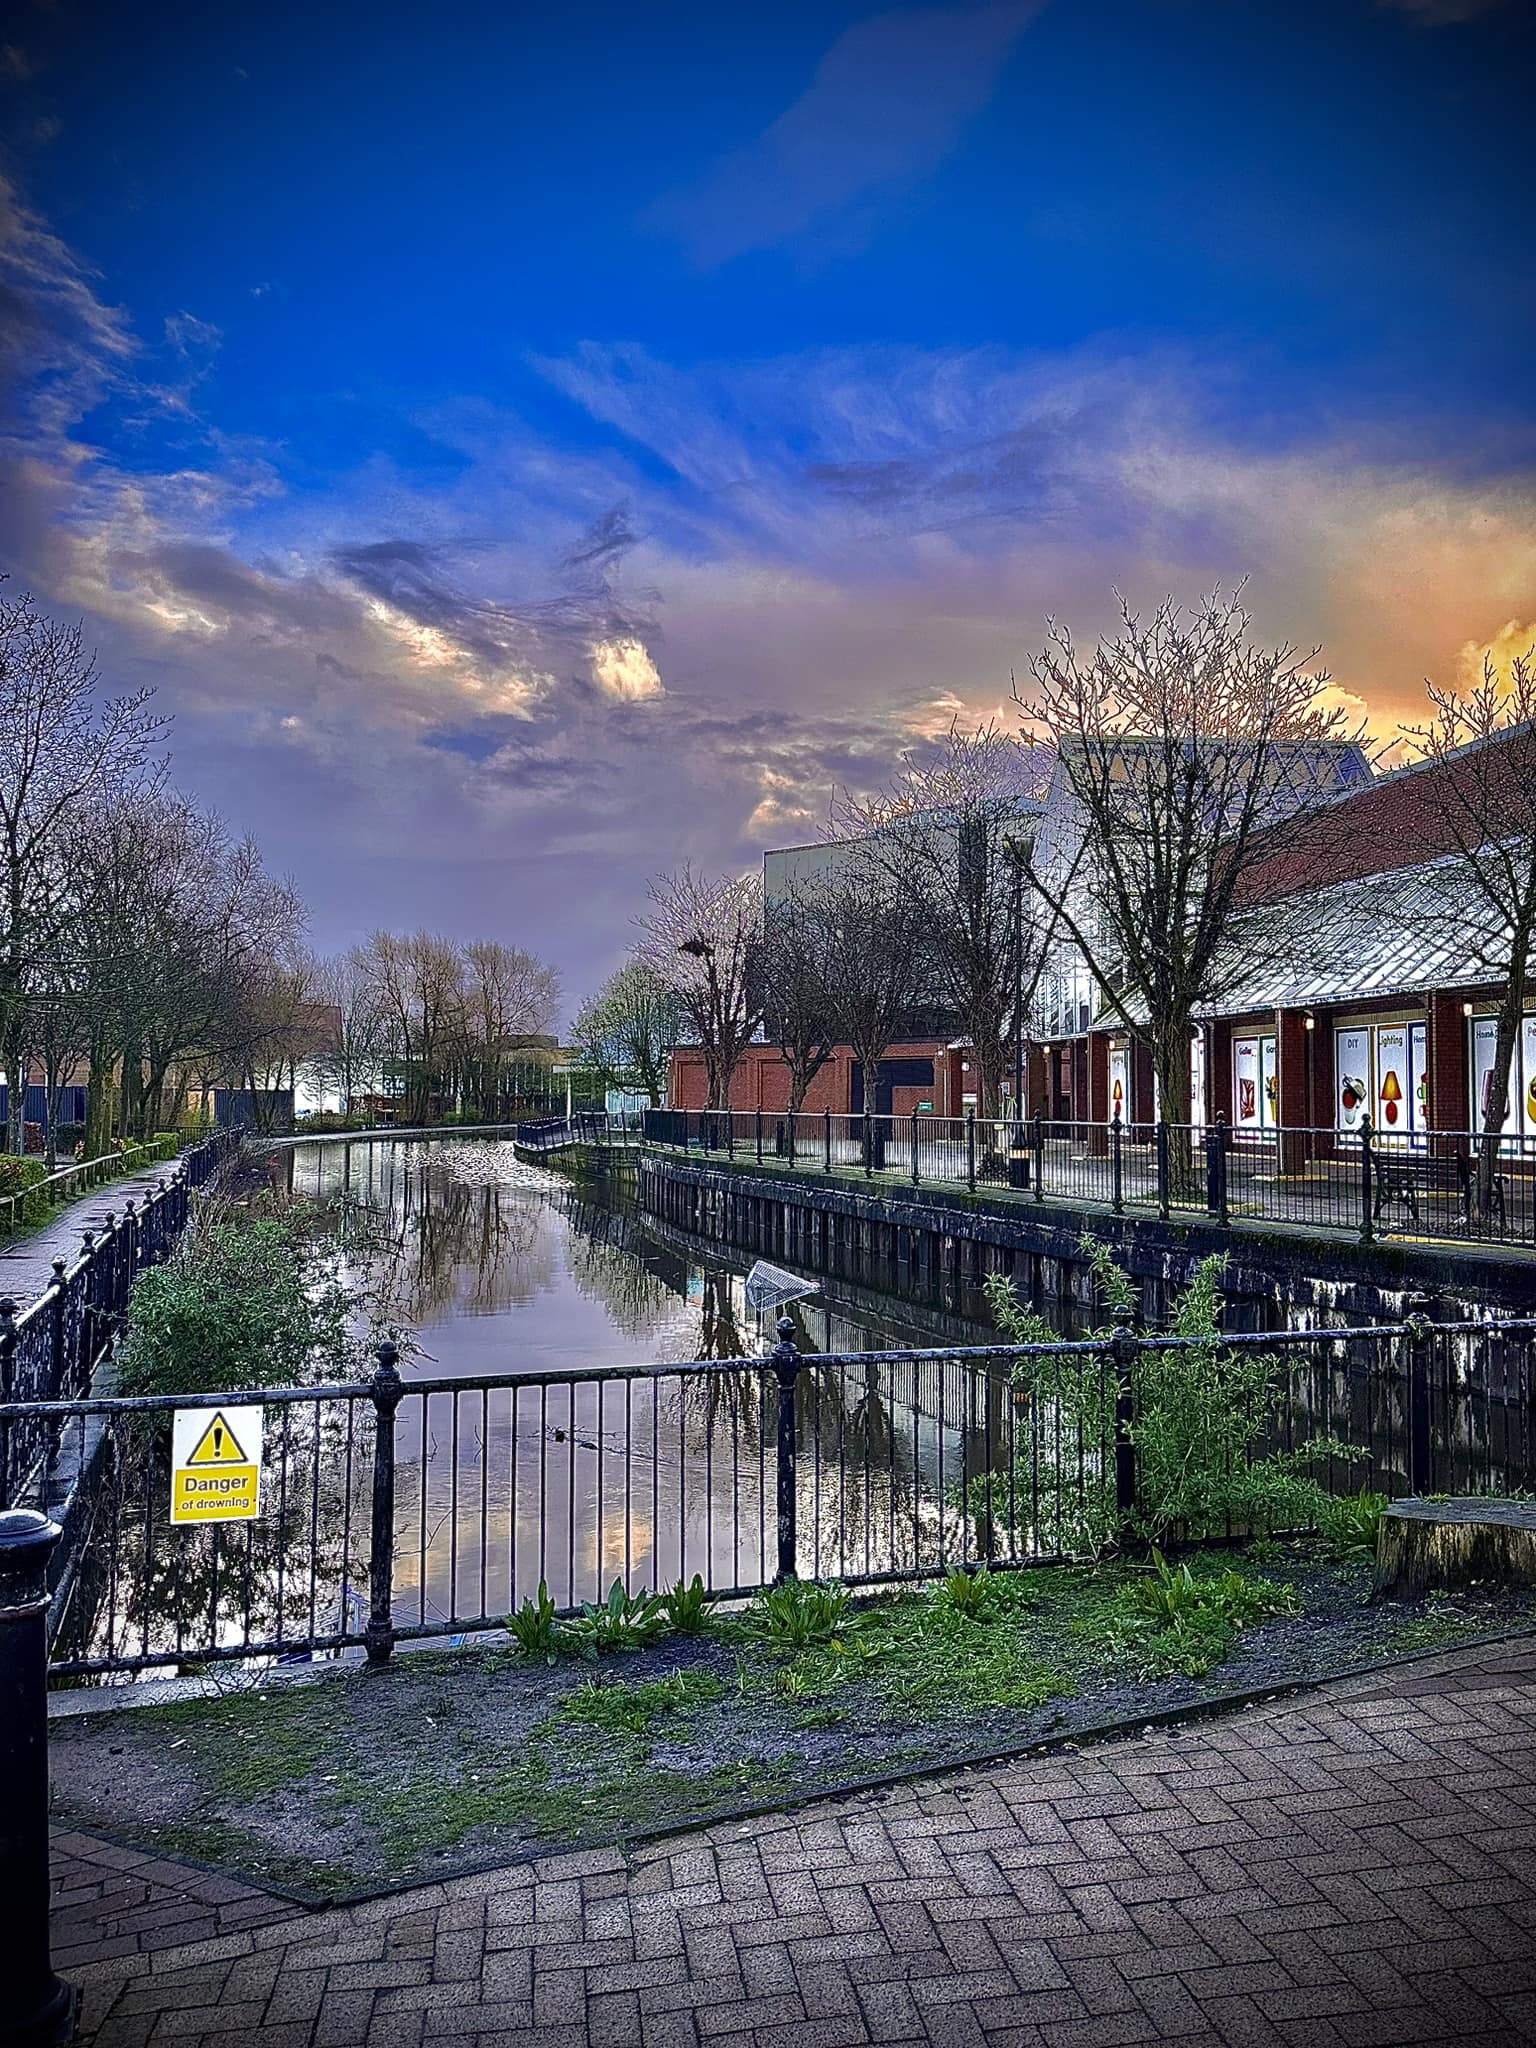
<point x="1367" y="1182"/>
<point x="49" y="1349"/>
<point x="582" y="1127"/>
<point x="414" y="1507"/>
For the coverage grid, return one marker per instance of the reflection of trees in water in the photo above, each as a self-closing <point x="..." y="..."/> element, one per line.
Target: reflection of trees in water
<point x="148" y="1587"/>
<point x="608" y="1263"/>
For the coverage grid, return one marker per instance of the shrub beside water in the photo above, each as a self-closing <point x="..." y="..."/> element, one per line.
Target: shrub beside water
<point x="255" y="1296"/>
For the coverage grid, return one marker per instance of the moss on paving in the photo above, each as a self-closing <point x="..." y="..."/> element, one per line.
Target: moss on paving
<point x="448" y="1758"/>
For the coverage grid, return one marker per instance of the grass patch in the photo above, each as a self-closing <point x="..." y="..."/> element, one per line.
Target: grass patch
<point x="364" y="1777"/>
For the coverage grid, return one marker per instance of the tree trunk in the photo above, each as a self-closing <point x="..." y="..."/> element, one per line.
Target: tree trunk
<point x="13" y="1061"/>
<point x="1428" y="1546"/>
<point x="1496" y="1098"/>
<point x="1172" y="1064"/>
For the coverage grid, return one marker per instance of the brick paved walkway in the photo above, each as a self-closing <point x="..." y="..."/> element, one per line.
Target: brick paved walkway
<point x="1356" y="1865"/>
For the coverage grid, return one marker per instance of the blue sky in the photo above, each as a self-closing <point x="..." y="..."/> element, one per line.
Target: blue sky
<point x="528" y="449"/>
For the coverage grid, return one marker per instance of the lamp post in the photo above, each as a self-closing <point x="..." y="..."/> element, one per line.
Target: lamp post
<point x="1016" y="855"/>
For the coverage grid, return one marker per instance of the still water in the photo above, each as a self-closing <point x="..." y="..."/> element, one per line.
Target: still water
<point x="499" y="1268"/>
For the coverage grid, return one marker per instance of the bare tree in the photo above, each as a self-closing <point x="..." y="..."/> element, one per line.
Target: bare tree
<point x="350" y="1064"/>
<point x="1179" y="741"/>
<point x="1482" y="786"/>
<point x="61" y="746"/>
<point x="874" y="929"/>
<point x="702" y="937"/>
<point x="419" y="983"/>
<point x="801" y="968"/>
<point x="510" y="996"/>
<point x="953" y="831"/>
<point x="625" y="1033"/>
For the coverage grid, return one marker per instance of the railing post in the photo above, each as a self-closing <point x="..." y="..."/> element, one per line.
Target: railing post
<point x="1039" y="1155"/>
<point x="730" y="1135"/>
<point x="1163" y="1192"/>
<point x="1216" y="1169"/>
<point x="58" y="1297"/>
<point x="868" y="1131"/>
<point x="7" y="1389"/>
<point x="1367" y="1183"/>
<point x="970" y="1150"/>
<point x="1120" y="1353"/>
<point x="387" y="1391"/>
<point x="1421" y="1449"/>
<point x="757" y="1121"/>
<point x="786" y="1366"/>
<point x="39" y="2008"/>
<point x="916" y="1133"/>
<point x="1116" y="1163"/>
<point x="826" y="1116"/>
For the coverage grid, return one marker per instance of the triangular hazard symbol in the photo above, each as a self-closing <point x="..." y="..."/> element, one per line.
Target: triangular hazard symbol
<point x="217" y="1445"/>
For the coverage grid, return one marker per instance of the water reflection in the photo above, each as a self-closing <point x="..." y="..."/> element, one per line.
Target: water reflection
<point x="504" y="1269"/>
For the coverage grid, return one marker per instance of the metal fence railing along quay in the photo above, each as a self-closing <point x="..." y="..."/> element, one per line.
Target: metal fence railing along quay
<point x="50" y="1348"/>
<point x="582" y="1127"/>
<point x="402" y="1508"/>
<point x="1366" y="1182"/>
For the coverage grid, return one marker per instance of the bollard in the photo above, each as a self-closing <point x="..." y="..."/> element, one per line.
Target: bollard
<point x="38" y="2009"/>
<point x="786" y="1364"/>
<point x="387" y="1391"/>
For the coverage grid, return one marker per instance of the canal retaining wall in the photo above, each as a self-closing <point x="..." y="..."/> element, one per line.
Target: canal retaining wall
<point x="934" y="1240"/>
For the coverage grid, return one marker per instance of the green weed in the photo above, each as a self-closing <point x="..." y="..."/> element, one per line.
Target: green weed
<point x="687" y="1608"/>
<point x="800" y="1612"/>
<point x="534" y="1627"/>
<point x="1350" y="1526"/>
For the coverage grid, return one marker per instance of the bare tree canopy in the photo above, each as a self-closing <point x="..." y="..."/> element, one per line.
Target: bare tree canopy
<point x="703" y="936"/>
<point x="1180" y="740"/>
<point x="953" y="831"/>
<point x="450" y="1022"/>
<point x="624" y="1034"/>
<point x="1480" y="747"/>
<point x="62" y="745"/>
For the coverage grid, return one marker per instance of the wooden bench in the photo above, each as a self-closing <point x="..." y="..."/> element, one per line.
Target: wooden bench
<point x="1428" y="1544"/>
<point x="1405" y="1177"/>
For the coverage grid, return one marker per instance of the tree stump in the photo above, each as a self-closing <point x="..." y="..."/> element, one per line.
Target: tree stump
<point x="1427" y="1546"/>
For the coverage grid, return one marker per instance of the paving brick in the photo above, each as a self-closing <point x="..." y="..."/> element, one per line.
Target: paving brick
<point x="1352" y="1869"/>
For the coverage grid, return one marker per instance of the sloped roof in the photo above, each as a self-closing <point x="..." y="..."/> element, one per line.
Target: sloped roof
<point x="1399" y="934"/>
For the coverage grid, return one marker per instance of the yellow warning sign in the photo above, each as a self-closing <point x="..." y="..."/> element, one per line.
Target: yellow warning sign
<point x="216" y="1465"/>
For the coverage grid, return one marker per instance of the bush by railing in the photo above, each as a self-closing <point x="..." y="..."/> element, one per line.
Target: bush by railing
<point x="1366" y="1181"/>
<point x="426" y="1507"/>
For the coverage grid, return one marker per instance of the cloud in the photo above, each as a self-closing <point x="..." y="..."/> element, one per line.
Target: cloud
<point x="889" y="101"/>
<point x="438" y="700"/>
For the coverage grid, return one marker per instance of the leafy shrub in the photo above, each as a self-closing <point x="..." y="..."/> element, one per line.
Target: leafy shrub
<point x="1351" y="1525"/>
<point x="687" y="1607"/>
<point x="1201" y="1410"/>
<point x="969" y="1594"/>
<point x="254" y="1297"/>
<point x="802" y="1611"/>
<point x="624" y="1621"/>
<point x="18" y="1176"/>
<point x="534" y="1627"/>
